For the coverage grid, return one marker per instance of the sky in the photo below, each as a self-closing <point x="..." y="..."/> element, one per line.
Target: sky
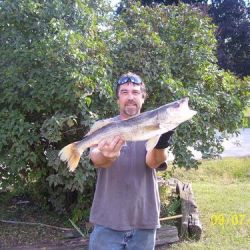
<point x="114" y="2"/>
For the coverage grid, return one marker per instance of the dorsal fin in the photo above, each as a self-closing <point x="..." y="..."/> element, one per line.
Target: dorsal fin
<point x="99" y="124"/>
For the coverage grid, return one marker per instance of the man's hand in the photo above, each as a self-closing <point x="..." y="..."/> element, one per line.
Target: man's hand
<point x="164" y="140"/>
<point x="106" y="152"/>
<point x="110" y="148"/>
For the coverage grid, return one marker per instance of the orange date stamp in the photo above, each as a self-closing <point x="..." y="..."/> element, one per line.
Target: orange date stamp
<point x="234" y="219"/>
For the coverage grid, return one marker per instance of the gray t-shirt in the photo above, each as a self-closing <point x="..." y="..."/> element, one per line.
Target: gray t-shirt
<point x="126" y="195"/>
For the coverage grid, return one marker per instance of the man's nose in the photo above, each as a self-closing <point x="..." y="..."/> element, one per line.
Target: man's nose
<point x="130" y="96"/>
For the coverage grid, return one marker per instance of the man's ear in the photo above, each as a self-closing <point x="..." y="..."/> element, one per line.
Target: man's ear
<point x="143" y="96"/>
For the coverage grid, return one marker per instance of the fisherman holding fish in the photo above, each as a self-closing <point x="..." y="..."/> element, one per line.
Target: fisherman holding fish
<point x="127" y="150"/>
<point x="126" y="206"/>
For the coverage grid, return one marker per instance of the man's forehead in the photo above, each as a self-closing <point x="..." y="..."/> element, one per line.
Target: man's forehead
<point x="130" y="85"/>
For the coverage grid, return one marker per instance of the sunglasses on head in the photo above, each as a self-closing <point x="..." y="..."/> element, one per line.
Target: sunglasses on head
<point x="133" y="79"/>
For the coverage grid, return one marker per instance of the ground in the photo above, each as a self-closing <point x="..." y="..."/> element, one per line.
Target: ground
<point x="28" y="236"/>
<point x="32" y="235"/>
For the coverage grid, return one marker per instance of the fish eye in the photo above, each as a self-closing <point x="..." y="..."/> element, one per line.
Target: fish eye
<point x="176" y="105"/>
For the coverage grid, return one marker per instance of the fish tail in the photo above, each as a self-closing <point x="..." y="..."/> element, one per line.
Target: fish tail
<point x="71" y="155"/>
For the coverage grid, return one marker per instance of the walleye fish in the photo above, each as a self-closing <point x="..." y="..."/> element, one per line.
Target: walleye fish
<point x="148" y="126"/>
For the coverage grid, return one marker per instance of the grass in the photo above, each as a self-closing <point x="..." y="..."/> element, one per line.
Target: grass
<point x="247" y="112"/>
<point x="222" y="192"/>
<point x="246" y="123"/>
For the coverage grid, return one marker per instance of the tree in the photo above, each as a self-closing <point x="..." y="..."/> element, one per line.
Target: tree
<point x="52" y="60"/>
<point x="233" y="35"/>
<point x="169" y="2"/>
<point x="173" y="48"/>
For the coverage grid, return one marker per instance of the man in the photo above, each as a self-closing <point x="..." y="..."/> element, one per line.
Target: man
<point x="126" y="206"/>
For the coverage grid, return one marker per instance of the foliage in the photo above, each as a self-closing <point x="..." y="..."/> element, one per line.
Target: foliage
<point x="173" y="48"/>
<point x="233" y="35"/>
<point x="170" y="202"/>
<point x="52" y="60"/>
<point x="168" y="2"/>
<point x="58" y="62"/>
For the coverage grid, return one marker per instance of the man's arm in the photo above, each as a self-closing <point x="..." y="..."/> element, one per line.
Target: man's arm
<point x="158" y="155"/>
<point x="106" y="152"/>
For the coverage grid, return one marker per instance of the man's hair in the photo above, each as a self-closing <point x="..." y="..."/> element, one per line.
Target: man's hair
<point x="142" y="85"/>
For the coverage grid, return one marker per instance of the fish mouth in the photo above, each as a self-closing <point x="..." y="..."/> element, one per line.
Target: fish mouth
<point x="182" y="106"/>
<point x="185" y="107"/>
<point x="184" y="100"/>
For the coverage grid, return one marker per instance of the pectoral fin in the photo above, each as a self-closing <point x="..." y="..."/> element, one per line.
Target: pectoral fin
<point x="150" y="144"/>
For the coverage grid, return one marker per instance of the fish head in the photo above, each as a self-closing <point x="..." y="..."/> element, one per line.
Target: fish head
<point x="175" y="113"/>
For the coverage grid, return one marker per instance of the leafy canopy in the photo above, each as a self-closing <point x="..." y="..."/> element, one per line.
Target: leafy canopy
<point x="53" y="62"/>
<point x="174" y="49"/>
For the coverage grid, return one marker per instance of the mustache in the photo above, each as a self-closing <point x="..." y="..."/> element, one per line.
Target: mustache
<point x="131" y="102"/>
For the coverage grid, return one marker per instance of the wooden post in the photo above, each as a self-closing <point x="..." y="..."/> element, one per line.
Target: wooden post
<point x="190" y="224"/>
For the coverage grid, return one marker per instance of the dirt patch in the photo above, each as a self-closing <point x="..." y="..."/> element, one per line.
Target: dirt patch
<point x="24" y="225"/>
<point x="33" y="235"/>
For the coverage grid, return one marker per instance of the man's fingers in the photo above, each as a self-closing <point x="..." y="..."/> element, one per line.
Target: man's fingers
<point x="119" y="145"/>
<point x="111" y="145"/>
<point x="115" y="143"/>
<point x="102" y="143"/>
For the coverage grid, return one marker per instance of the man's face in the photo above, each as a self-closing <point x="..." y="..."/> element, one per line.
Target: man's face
<point x="130" y="100"/>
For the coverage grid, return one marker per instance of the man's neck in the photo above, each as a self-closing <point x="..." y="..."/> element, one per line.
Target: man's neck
<point x="123" y="117"/>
